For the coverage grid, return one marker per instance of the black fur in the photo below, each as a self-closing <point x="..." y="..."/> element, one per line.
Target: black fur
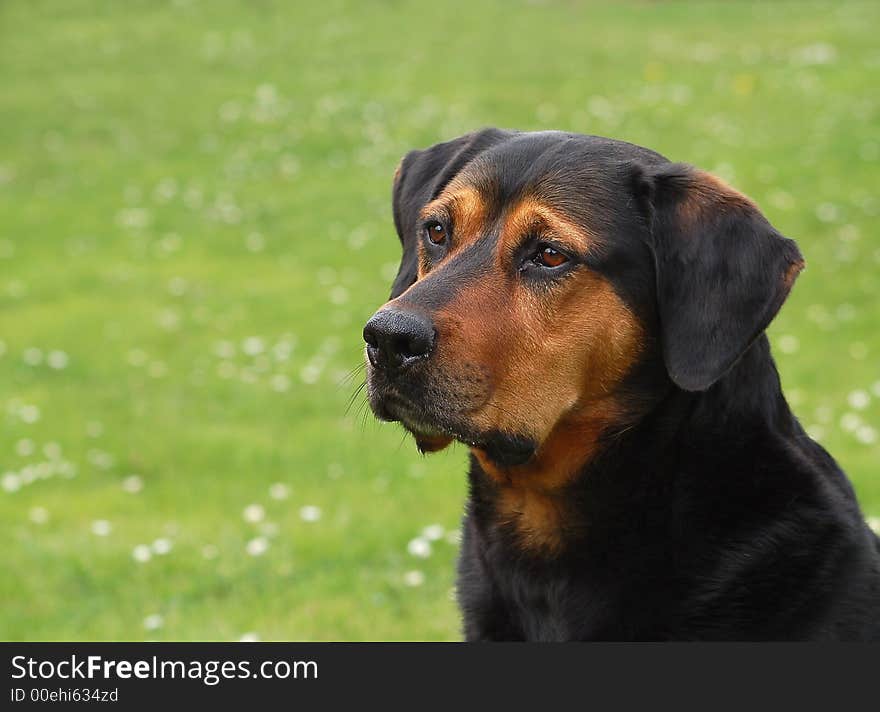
<point x="713" y="516"/>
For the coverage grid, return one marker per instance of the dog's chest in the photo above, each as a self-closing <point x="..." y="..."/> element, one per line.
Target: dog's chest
<point x="506" y="596"/>
<point x="545" y="610"/>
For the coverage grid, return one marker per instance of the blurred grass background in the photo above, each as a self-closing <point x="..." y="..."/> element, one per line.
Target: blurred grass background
<point x="195" y="223"/>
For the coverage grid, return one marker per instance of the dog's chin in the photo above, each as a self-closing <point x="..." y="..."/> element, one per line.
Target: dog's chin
<point x="431" y="443"/>
<point x="429" y="436"/>
<point x="433" y="434"/>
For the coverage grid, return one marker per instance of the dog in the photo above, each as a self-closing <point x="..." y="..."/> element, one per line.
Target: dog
<point x="588" y="318"/>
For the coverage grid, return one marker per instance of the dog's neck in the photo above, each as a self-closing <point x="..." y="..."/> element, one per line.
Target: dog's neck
<point x="582" y="462"/>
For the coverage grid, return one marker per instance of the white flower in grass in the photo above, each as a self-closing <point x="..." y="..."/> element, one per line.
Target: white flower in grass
<point x="10" y="482"/>
<point x="100" y="459"/>
<point x="249" y="637"/>
<point x="788" y="344"/>
<point x="818" y="53"/>
<point x="66" y="469"/>
<point x="137" y="357"/>
<point x="253" y="345"/>
<point x="874" y="523"/>
<point x="279" y="491"/>
<point x="33" y="356"/>
<point x="39" y="515"/>
<point x="850" y="422"/>
<point x="153" y="621"/>
<point x="177" y="286"/>
<point x="866" y="435"/>
<point x="310" y="513"/>
<point x="132" y="484"/>
<point x="257" y="546"/>
<point x="101" y="527"/>
<point x="255" y="242"/>
<point x="310" y="373"/>
<point x="453" y="537"/>
<point x="162" y="546"/>
<point x="280" y="383"/>
<point x="24" y="447"/>
<point x="433" y="532"/>
<point x="827" y="212"/>
<point x="57" y="360"/>
<point x="254" y="513"/>
<point x="282" y="350"/>
<point x="16" y="289"/>
<point x="845" y="312"/>
<point x="224" y="349"/>
<point x="141" y="553"/>
<point x="419" y="547"/>
<point x="27" y="474"/>
<point x="226" y="370"/>
<point x="859" y="399"/>
<point x="168" y="319"/>
<point x="29" y="414"/>
<point x="165" y="190"/>
<point x="338" y="295"/>
<point x="414" y="578"/>
<point x="267" y="94"/>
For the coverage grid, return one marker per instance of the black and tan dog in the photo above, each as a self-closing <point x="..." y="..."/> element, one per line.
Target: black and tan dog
<point x="589" y="319"/>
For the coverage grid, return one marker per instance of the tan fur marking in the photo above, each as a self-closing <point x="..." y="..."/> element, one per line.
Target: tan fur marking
<point x="433" y="443"/>
<point x="539" y="519"/>
<point x="465" y="208"/>
<point x="792" y="272"/>
<point x="707" y="192"/>
<point x="716" y="186"/>
<point x="564" y="356"/>
<point x="530" y="215"/>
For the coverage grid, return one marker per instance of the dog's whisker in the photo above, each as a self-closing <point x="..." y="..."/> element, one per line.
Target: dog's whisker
<point x="348" y="377"/>
<point x="354" y="396"/>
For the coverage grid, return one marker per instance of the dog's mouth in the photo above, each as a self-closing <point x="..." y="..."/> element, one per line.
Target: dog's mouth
<point x="434" y="431"/>
<point x="429" y="432"/>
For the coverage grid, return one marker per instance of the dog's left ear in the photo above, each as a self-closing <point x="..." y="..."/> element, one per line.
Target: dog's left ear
<point x="420" y="178"/>
<point x="722" y="270"/>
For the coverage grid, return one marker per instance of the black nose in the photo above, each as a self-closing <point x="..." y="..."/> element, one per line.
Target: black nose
<point x="396" y="339"/>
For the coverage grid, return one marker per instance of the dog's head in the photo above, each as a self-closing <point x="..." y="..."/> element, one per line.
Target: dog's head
<point x="538" y="271"/>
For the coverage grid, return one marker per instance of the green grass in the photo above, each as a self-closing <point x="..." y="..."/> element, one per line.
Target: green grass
<point x="182" y="183"/>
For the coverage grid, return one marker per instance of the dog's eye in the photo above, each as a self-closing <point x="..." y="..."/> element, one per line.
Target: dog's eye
<point x="546" y="256"/>
<point x="435" y="232"/>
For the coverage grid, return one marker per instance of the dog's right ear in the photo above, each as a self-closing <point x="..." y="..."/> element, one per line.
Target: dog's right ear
<point x="421" y="177"/>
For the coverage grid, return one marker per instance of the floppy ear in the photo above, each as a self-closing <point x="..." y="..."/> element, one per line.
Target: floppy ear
<point x="420" y="178"/>
<point x="723" y="271"/>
